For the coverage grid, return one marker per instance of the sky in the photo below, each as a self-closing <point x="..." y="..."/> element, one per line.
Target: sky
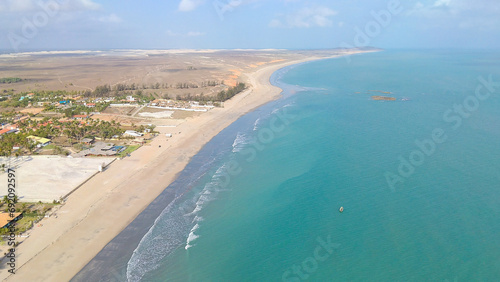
<point x="27" y="25"/>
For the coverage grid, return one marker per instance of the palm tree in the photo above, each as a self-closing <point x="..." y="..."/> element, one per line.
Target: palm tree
<point x="31" y="146"/>
<point x="68" y="132"/>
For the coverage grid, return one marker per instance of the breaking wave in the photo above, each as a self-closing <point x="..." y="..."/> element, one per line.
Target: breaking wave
<point x="176" y="226"/>
<point x="192" y="236"/>
<point x="256" y="124"/>
<point x="240" y="141"/>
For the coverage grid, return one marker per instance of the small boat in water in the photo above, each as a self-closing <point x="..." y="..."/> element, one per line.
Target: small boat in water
<point x="341" y="209"/>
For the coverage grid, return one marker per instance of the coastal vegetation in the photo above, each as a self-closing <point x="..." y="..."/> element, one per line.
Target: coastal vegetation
<point x="9" y="80"/>
<point x="74" y="102"/>
<point x="221" y="96"/>
<point x="231" y="92"/>
<point x="62" y="133"/>
<point x="32" y="214"/>
<point x="64" y="118"/>
<point x="10" y="142"/>
<point x="129" y="150"/>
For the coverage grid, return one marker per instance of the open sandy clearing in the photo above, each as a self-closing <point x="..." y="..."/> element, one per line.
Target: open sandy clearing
<point x="48" y="178"/>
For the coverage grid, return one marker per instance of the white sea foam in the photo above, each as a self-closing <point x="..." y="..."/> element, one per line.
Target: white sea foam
<point x="192" y="236"/>
<point x="283" y="107"/>
<point x="204" y="197"/>
<point x="256" y="124"/>
<point x="172" y="229"/>
<point x="240" y="141"/>
<point x="197" y="219"/>
<point x="160" y="240"/>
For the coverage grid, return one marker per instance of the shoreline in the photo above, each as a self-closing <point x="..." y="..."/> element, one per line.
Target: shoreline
<point x="97" y="212"/>
<point x="113" y="261"/>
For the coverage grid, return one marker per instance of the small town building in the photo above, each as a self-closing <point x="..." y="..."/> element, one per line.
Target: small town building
<point x="80" y="117"/>
<point x="8" y="129"/>
<point x="87" y="141"/>
<point x="133" y="133"/>
<point x="42" y="142"/>
<point x="107" y="148"/>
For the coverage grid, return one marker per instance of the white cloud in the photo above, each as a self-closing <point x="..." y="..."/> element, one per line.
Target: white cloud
<point x="479" y="14"/>
<point x="455" y="7"/>
<point x="189" y="5"/>
<point x="306" y="18"/>
<point x="21" y="5"/>
<point x="113" y="18"/>
<point x="36" y="5"/>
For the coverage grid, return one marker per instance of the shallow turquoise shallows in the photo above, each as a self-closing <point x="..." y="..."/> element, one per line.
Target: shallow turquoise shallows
<point x="418" y="179"/>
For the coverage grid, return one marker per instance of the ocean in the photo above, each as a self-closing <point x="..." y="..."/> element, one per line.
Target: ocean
<point x="418" y="179"/>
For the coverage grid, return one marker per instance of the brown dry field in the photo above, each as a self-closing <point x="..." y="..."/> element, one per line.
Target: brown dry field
<point x="34" y="111"/>
<point x="80" y="72"/>
<point x="119" y="110"/>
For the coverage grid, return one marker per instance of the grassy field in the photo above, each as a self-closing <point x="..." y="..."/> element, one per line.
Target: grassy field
<point x="129" y="150"/>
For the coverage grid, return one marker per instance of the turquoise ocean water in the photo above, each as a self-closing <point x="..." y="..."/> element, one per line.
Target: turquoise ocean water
<point x="265" y="206"/>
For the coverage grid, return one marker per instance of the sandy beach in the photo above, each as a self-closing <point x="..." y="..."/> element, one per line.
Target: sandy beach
<point x="94" y="214"/>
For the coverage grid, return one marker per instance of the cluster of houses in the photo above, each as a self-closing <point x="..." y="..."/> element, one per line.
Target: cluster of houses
<point x="41" y="142"/>
<point x="180" y="105"/>
<point x="13" y="128"/>
<point x="67" y="102"/>
<point x="8" y="128"/>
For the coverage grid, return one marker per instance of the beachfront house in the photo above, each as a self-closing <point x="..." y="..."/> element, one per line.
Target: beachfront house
<point x="133" y="133"/>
